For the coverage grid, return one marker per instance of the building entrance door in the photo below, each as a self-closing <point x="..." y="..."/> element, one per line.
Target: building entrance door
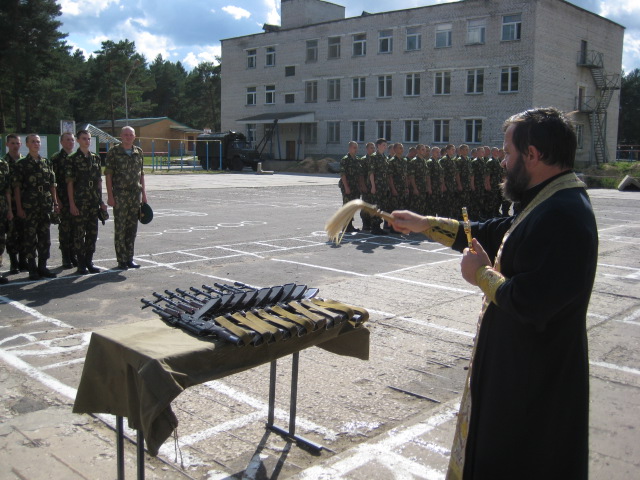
<point x="291" y="149"/>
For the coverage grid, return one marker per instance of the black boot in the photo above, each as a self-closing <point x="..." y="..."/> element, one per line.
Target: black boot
<point x="33" y="269"/>
<point x="3" y="280"/>
<point x="82" y="266"/>
<point x="23" y="264"/>
<point x="14" y="267"/>
<point x="66" y="259"/>
<point x="90" y="266"/>
<point x="43" y="270"/>
<point x="73" y="257"/>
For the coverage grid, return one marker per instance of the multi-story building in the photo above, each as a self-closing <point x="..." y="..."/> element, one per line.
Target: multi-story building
<point x="446" y="73"/>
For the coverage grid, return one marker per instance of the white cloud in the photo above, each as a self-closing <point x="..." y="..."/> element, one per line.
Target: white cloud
<point x="273" y="12"/>
<point x="620" y="8"/>
<point x="631" y="51"/>
<point x="207" y="54"/>
<point x="236" y="12"/>
<point x="147" y="43"/>
<point x="85" y="7"/>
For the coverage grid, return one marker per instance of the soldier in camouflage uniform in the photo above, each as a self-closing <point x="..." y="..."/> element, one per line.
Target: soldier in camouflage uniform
<point x="6" y="215"/>
<point x="451" y="182"/>
<point x="494" y="170"/>
<point x="34" y="188"/>
<point x="418" y="177"/>
<point x="435" y="197"/>
<point x="398" y="185"/>
<point x="505" y="205"/>
<point x="124" y="174"/>
<point x="378" y="178"/>
<point x="15" y="246"/>
<point x="65" y="227"/>
<point x="84" y="188"/>
<point x="463" y="164"/>
<point x="349" y="173"/>
<point x="481" y="187"/>
<point x="365" y="162"/>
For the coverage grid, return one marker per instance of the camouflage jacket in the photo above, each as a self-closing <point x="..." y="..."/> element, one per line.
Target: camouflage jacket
<point x="125" y="168"/>
<point x="5" y="178"/>
<point x="494" y="170"/>
<point x="435" y="172"/>
<point x="449" y="173"/>
<point x="58" y="162"/>
<point x="479" y="171"/>
<point x="398" y="167"/>
<point x="464" y="169"/>
<point x="85" y="173"/>
<point x="35" y="177"/>
<point x="418" y="168"/>
<point x="350" y="167"/>
<point x="379" y="166"/>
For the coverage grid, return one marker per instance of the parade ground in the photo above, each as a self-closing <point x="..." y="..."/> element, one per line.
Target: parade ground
<point x="389" y="417"/>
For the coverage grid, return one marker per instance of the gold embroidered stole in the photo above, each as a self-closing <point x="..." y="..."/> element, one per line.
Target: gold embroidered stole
<point x="456" y="462"/>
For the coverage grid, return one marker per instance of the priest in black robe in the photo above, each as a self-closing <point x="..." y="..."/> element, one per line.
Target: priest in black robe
<point x="524" y="413"/>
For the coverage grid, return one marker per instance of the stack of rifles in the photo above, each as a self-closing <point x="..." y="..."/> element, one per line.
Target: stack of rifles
<point x="245" y="315"/>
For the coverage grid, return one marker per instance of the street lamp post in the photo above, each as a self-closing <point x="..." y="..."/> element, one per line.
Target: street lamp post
<point x="126" y="105"/>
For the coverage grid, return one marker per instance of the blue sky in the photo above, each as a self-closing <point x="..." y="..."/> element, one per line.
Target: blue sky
<point x="190" y="31"/>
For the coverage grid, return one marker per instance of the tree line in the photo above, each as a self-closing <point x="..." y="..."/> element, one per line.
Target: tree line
<point x="43" y="81"/>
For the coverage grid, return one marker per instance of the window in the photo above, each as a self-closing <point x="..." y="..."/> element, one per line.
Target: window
<point x="385" y="41"/>
<point x="334" y="47"/>
<point x="411" y="130"/>
<point x="357" y="131"/>
<point x="412" y="85"/>
<point x="270" y="60"/>
<point x="312" y="51"/>
<point x="360" y="45"/>
<point x="473" y="130"/>
<point x="290" y="98"/>
<point x="251" y="132"/>
<point x="441" y="131"/>
<point x="442" y="83"/>
<point x="289" y="71"/>
<point x="443" y="35"/>
<point x="251" y="96"/>
<point x="384" y="129"/>
<point x="359" y="85"/>
<point x="579" y="128"/>
<point x="476" y="31"/>
<point x="310" y="133"/>
<point x="509" y="79"/>
<point x="384" y="86"/>
<point x="475" y="81"/>
<point x="511" y="27"/>
<point x="270" y="94"/>
<point x="311" y="91"/>
<point x="251" y="58"/>
<point x="414" y="38"/>
<point x="333" y="132"/>
<point x="333" y="90"/>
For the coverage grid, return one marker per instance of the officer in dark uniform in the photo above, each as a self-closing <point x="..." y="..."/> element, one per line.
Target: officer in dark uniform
<point x="65" y="227"/>
<point x="84" y="188"/>
<point x="349" y="173"/>
<point x="34" y="189"/>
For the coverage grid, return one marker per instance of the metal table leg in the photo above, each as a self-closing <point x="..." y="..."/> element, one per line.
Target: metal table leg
<point x="140" y="449"/>
<point x="120" y="447"/>
<point x="291" y="433"/>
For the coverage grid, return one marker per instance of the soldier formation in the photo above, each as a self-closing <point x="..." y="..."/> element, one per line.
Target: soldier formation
<point x="67" y="190"/>
<point x="428" y="181"/>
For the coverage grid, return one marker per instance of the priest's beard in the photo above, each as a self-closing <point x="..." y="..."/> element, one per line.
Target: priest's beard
<point x="516" y="181"/>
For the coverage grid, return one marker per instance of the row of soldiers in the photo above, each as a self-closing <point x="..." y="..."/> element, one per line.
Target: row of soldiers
<point x="428" y="181"/>
<point x="67" y="190"/>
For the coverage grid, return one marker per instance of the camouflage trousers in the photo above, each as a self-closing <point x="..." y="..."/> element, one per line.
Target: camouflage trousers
<point x="125" y="224"/>
<point x="4" y="225"/>
<point x="65" y="229"/>
<point x="15" y="234"/>
<point x="85" y="230"/>
<point x="366" y="218"/>
<point x="37" y="236"/>
<point x="418" y="203"/>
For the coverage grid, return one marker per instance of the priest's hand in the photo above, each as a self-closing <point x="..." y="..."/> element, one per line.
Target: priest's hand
<point x="472" y="261"/>
<point x="405" y="221"/>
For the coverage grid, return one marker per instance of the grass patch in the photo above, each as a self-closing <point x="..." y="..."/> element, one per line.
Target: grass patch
<point x="609" y="175"/>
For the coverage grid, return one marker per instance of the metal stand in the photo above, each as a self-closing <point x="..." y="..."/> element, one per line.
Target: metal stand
<point x="291" y="433"/>
<point x="120" y="450"/>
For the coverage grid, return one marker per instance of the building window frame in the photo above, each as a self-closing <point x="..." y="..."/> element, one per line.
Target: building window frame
<point x="414" y="39"/>
<point x="384" y="129"/>
<point x="476" y="31"/>
<point x="310" y="133"/>
<point x="311" y="91"/>
<point x="270" y="56"/>
<point x="270" y="94"/>
<point x="385" y="86"/>
<point x="509" y="79"/>
<point x="473" y="130"/>
<point x="444" y="35"/>
<point x="385" y="41"/>
<point x="579" y="129"/>
<point x="252" y="96"/>
<point x="290" y="71"/>
<point x="333" y="132"/>
<point x="251" y="132"/>
<point x="311" y="55"/>
<point x="475" y="81"/>
<point x="357" y="131"/>
<point x="359" y="88"/>
<point x="511" y="27"/>
<point x="252" y="58"/>
<point x="412" y="131"/>
<point x="333" y="47"/>
<point x="441" y="127"/>
<point x="359" y="45"/>
<point x="442" y="82"/>
<point x="412" y="85"/>
<point x="289" y="98"/>
<point x="333" y="90"/>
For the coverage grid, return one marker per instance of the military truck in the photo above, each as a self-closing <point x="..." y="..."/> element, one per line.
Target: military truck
<point x="237" y="153"/>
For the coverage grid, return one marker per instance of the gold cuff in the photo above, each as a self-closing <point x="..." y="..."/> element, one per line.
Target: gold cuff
<point x="442" y="230"/>
<point x="489" y="280"/>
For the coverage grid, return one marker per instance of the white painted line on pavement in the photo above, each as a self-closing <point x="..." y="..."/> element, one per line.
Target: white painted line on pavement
<point x="429" y="285"/>
<point x="62" y="364"/>
<point x="320" y="267"/>
<point x="631" y="318"/>
<point x="615" y="367"/>
<point x="424" y="323"/>
<point x="412" y="267"/>
<point x="34" y="313"/>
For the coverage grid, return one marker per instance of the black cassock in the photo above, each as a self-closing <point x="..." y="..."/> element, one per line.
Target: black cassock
<point x="530" y="375"/>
